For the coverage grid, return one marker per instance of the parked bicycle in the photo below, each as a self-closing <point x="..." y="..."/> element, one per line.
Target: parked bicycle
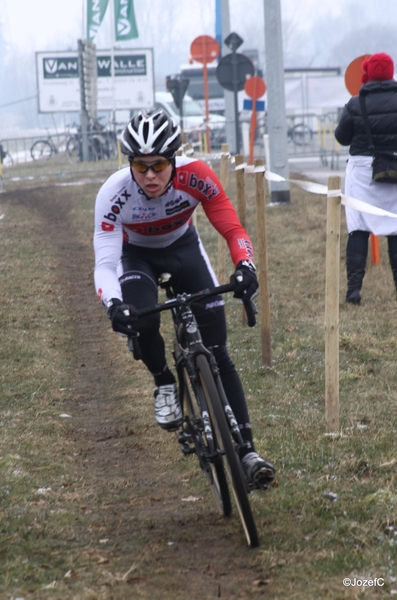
<point x="102" y="144"/>
<point x="5" y="157"/>
<point x="48" y="147"/>
<point x="209" y="428"/>
<point x="104" y="140"/>
<point x="299" y="133"/>
<point x="74" y="148"/>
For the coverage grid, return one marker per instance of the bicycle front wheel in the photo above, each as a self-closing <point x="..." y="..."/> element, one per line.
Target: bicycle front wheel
<point x="206" y="449"/>
<point x="41" y="149"/>
<point x="230" y="457"/>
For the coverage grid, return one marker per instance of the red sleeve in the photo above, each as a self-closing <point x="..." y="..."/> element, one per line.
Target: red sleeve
<point x="200" y="181"/>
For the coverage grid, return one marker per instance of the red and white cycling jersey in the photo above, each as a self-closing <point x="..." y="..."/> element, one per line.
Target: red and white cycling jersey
<point x="124" y="213"/>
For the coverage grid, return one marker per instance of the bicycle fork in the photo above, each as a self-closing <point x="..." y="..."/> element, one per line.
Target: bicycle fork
<point x="230" y="418"/>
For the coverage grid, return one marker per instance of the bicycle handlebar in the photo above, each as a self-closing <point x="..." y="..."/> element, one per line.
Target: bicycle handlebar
<point x="180" y="300"/>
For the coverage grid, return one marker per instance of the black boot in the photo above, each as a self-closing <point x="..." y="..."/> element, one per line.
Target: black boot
<point x="355" y="266"/>
<point x="356" y="260"/>
<point x="393" y="264"/>
<point x="392" y="248"/>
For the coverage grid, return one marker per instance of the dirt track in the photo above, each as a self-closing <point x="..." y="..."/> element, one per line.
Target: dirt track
<point x="160" y="535"/>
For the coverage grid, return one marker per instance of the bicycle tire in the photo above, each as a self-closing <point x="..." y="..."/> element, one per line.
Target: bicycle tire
<point x="41" y="149"/>
<point x="214" y="470"/>
<point x="301" y="134"/>
<point x="230" y="457"/>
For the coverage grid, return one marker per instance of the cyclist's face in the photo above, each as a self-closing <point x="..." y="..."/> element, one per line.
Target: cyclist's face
<point x="152" y="183"/>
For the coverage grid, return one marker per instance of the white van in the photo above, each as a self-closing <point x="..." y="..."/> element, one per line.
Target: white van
<point x="194" y="122"/>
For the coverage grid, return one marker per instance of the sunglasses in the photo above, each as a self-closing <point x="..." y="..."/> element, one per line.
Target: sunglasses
<point x="157" y="166"/>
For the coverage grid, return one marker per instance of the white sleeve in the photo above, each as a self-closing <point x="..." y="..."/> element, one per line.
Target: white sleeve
<point x="108" y="241"/>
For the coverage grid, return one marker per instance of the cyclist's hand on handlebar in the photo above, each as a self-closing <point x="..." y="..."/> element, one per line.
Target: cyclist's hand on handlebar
<point x="121" y="316"/>
<point x="245" y="281"/>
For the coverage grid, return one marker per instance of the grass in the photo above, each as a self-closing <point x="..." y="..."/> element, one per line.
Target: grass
<point x="333" y="511"/>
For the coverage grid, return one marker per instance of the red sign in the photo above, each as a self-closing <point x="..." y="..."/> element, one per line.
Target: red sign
<point x="204" y="49"/>
<point x="353" y="75"/>
<point x="255" y="87"/>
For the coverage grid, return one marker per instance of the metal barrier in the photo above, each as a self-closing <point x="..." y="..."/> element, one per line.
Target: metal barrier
<point x="61" y="154"/>
<point x="329" y="148"/>
<point x="58" y="155"/>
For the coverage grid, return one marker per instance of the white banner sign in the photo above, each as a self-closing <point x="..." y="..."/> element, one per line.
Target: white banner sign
<point x="125" y="80"/>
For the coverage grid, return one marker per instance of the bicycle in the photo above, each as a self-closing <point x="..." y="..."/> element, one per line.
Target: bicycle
<point x="104" y="141"/>
<point x="209" y="428"/>
<point x="74" y="148"/>
<point x="300" y="134"/>
<point x="46" y="148"/>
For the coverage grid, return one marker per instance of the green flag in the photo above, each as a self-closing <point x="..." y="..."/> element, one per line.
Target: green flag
<point x="95" y="12"/>
<point x="124" y="20"/>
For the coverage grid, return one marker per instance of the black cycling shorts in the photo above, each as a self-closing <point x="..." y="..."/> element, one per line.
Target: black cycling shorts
<point x="188" y="264"/>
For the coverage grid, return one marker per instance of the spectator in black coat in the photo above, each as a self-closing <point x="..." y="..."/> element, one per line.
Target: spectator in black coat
<point x="380" y="91"/>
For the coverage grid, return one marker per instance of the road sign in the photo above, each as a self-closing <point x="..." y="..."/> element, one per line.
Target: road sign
<point x="125" y="80"/>
<point x="232" y="71"/>
<point x="204" y="49"/>
<point x="255" y="87"/>
<point x="177" y="85"/>
<point x="353" y="75"/>
<point x="233" y="41"/>
<point x="259" y="105"/>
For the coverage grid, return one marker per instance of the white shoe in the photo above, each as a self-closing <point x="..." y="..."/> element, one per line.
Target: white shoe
<point x="167" y="408"/>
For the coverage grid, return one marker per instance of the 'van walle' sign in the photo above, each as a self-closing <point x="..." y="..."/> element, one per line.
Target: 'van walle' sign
<point x="125" y="80"/>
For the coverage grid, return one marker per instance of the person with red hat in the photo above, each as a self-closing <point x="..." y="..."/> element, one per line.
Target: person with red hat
<point x="379" y="91"/>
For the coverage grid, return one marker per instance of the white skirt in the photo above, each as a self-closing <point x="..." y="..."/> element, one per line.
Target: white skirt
<point x="359" y="184"/>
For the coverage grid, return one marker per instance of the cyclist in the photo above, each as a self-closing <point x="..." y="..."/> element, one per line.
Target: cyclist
<point x="142" y="229"/>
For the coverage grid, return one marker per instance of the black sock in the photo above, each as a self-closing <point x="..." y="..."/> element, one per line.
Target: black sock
<point x="246" y="434"/>
<point x="165" y="377"/>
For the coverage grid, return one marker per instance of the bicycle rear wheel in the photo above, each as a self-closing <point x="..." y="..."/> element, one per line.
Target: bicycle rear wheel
<point x="41" y="149"/>
<point x="230" y="457"/>
<point x="206" y="447"/>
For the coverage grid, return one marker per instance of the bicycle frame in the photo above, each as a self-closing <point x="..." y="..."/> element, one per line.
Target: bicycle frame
<point x="190" y="344"/>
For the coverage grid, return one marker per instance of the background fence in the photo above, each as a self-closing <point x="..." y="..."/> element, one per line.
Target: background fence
<point x="59" y="154"/>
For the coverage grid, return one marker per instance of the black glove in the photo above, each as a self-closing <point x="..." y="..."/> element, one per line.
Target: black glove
<point x="121" y="316"/>
<point x="248" y="287"/>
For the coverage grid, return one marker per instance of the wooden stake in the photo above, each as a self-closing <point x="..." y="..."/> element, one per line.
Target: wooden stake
<point x="262" y="264"/>
<point x="240" y="183"/>
<point x="224" y="178"/>
<point x="332" y="275"/>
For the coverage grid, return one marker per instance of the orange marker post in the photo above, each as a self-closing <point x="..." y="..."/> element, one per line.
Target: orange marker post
<point x="375" y="254"/>
<point x="254" y="87"/>
<point x="204" y="49"/>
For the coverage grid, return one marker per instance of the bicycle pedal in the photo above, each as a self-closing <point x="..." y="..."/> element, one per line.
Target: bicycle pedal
<point x="186" y="449"/>
<point x="184" y="437"/>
